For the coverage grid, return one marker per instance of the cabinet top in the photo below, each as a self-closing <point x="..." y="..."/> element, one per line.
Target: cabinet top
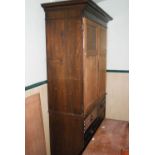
<point x="88" y="7"/>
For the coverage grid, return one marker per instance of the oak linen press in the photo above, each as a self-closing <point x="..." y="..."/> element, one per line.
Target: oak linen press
<point x="76" y="67"/>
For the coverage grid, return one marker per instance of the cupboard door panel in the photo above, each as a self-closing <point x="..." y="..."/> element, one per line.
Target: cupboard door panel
<point x="102" y="61"/>
<point x="90" y="81"/>
<point x="90" y="64"/>
<point x="91" y="39"/>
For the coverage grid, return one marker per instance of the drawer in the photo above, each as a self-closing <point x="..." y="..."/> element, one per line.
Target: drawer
<point x="90" y="119"/>
<point x="101" y="109"/>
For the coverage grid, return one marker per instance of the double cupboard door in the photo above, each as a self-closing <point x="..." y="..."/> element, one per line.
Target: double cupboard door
<point x="94" y="59"/>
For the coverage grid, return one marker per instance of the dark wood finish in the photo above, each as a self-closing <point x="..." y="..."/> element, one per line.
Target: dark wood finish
<point x="111" y="138"/>
<point x="94" y="63"/>
<point x="34" y="131"/>
<point x="90" y="68"/>
<point x="90" y="119"/>
<point x="75" y="72"/>
<point x="97" y="112"/>
<point x="88" y="8"/>
<point x="102" y="60"/>
<point x="66" y="133"/>
<point x="64" y="59"/>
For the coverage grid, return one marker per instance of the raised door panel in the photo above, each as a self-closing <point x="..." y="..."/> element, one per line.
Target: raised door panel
<point x="90" y="58"/>
<point x="102" y="61"/>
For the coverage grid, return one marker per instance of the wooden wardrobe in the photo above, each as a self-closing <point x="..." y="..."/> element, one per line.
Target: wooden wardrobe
<point x="76" y="66"/>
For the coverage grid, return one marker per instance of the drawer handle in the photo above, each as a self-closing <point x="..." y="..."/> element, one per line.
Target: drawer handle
<point x="101" y="105"/>
<point x="91" y="118"/>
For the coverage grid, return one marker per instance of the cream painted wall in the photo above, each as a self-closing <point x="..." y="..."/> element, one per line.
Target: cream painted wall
<point x="42" y="90"/>
<point x="117" y="96"/>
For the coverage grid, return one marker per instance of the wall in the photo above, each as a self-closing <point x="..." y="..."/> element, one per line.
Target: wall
<point x="117" y="59"/>
<point x="118" y="34"/>
<point x="118" y="96"/>
<point x="35" y="57"/>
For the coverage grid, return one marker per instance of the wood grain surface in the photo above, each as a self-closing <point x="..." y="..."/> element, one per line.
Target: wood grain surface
<point x="34" y="136"/>
<point x="111" y="138"/>
<point x="94" y="67"/>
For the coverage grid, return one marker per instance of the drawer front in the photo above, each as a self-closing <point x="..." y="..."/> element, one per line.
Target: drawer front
<point x="90" y="119"/>
<point x="101" y="109"/>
